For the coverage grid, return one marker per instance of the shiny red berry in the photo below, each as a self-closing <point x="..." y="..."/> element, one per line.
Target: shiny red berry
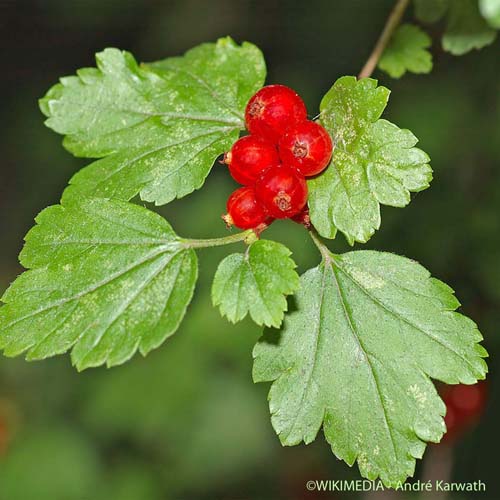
<point x="282" y="191"/>
<point x="243" y="210"/>
<point x="307" y="146"/>
<point x="249" y="157"/>
<point x="272" y="110"/>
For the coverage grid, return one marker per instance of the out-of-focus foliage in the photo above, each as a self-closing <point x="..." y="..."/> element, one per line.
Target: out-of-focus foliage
<point x="49" y="463"/>
<point x="469" y="23"/>
<point x="186" y="422"/>
<point x="466" y="29"/>
<point x="490" y="10"/>
<point x="407" y="51"/>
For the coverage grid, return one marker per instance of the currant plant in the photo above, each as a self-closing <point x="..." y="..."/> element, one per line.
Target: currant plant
<point x="368" y="330"/>
<point x="469" y="24"/>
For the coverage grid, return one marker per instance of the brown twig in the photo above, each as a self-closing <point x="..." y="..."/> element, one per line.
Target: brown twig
<point x="391" y="24"/>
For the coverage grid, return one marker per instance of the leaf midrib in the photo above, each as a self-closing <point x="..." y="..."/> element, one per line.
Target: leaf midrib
<point x="123" y="308"/>
<point x="90" y="289"/>
<point x="402" y="318"/>
<point x="143" y="155"/>
<point x="146" y="114"/>
<point x="357" y="338"/>
<point x="314" y="354"/>
<point x="215" y="95"/>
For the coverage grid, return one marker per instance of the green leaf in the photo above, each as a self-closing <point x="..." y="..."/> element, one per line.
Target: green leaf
<point x="466" y="29"/>
<point x="356" y="357"/>
<point x="107" y="278"/>
<point x="407" y="51"/>
<point x="256" y="282"/>
<point x="373" y="162"/>
<point x="157" y="128"/>
<point x="430" y="11"/>
<point x="490" y="10"/>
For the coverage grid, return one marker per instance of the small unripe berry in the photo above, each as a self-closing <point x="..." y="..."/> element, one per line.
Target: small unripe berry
<point x="307" y="146"/>
<point x="249" y="157"/>
<point x="282" y="191"/>
<point x="272" y="110"/>
<point x="243" y="210"/>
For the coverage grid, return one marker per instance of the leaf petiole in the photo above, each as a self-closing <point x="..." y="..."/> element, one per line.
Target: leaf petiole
<point x="247" y="236"/>
<point x="324" y="250"/>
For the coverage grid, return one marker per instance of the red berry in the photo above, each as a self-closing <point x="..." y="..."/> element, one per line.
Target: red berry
<point x="303" y="218"/>
<point x="307" y="146"/>
<point x="282" y="191"/>
<point x="243" y="210"/>
<point x="468" y="400"/>
<point x="272" y="110"/>
<point x="464" y="406"/>
<point x="249" y="157"/>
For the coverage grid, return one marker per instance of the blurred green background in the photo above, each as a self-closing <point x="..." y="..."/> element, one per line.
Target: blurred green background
<point x="187" y="422"/>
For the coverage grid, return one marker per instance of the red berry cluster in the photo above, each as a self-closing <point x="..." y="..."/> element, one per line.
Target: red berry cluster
<point x="464" y="406"/>
<point x="283" y="148"/>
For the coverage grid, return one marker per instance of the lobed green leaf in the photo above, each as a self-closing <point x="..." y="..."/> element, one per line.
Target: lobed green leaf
<point x="256" y="283"/>
<point x="157" y="128"/>
<point x="107" y="278"/>
<point x="469" y="23"/>
<point x="374" y="162"/>
<point x="356" y="357"/>
<point x="407" y="51"/>
<point x="466" y="28"/>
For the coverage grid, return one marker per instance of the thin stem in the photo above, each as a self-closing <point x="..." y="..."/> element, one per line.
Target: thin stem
<point x="391" y="24"/>
<point x="217" y="242"/>
<point x="325" y="252"/>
